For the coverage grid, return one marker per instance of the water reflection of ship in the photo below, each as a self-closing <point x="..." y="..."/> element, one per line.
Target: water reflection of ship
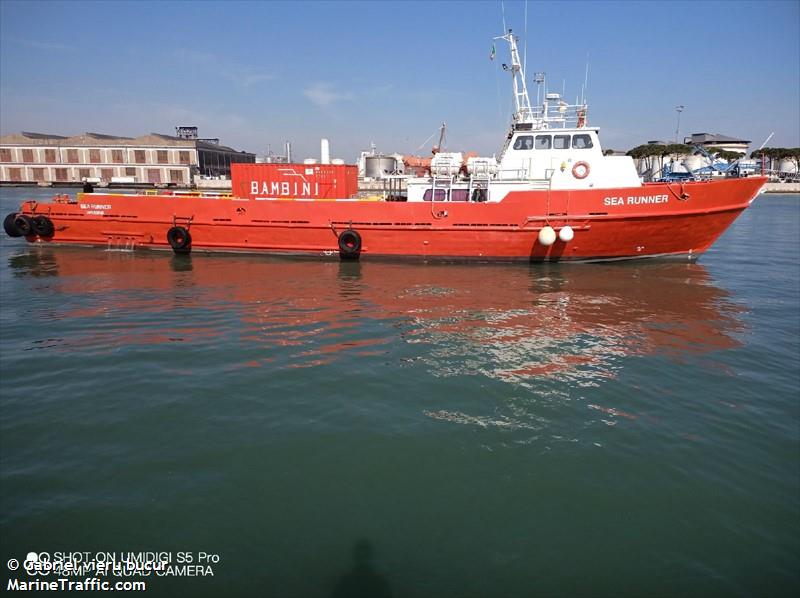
<point x="520" y="324"/>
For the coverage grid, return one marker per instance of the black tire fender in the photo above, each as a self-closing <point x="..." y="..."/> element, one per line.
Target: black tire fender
<point x="179" y="239"/>
<point x="10" y="226"/>
<point x="43" y="226"/>
<point x="24" y="225"/>
<point x="349" y="244"/>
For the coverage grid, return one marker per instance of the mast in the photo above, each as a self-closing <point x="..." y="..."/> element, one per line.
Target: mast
<point x="553" y="112"/>
<point x="523" y="112"/>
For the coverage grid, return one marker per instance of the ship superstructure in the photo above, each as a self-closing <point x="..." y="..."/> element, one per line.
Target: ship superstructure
<point x="549" y="146"/>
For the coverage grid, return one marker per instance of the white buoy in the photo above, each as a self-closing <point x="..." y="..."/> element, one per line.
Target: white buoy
<point x="547" y="236"/>
<point x="566" y="234"/>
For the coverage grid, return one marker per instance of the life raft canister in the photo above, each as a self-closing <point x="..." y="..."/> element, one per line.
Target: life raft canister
<point x="581" y="170"/>
<point x="179" y="239"/>
<point x="349" y="244"/>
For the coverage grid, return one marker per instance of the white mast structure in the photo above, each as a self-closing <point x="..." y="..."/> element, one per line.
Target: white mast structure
<point x="553" y="111"/>
<point x="523" y="112"/>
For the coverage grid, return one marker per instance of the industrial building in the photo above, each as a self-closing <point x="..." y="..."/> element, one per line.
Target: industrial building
<point x="155" y="159"/>
<point x="712" y="141"/>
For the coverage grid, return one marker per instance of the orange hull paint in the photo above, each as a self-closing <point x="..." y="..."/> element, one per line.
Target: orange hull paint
<point x="608" y="223"/>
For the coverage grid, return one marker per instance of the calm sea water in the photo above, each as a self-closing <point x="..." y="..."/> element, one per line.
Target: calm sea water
<point x="410" y="429"/>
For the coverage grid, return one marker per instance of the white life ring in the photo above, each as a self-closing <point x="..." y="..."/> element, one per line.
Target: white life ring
<point x="581" y="170"/>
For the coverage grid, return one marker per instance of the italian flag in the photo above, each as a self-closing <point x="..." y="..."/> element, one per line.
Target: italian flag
<point x="492" y="53"/>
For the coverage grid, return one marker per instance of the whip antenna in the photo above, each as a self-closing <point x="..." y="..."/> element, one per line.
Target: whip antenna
<point x="586" y="80"/>
<point x="525" y="53"/>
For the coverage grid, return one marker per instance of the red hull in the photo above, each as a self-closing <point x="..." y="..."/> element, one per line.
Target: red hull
<point x="657" y="219"/>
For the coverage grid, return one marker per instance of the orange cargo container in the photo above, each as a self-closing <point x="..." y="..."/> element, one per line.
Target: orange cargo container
<point x="291" y="181"/>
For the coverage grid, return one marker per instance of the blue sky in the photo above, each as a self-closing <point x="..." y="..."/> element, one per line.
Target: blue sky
<point x="255" y="73"/>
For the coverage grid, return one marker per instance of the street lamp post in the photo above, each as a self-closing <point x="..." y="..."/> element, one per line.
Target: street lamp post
<point x="678" y="109"/>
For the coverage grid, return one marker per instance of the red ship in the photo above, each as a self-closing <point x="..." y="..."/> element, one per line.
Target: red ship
<point x="551" y="195"/>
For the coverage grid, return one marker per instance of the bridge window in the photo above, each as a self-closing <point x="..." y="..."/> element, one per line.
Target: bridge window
<point x="441" y="195"/>
<point x="581" y="141"/>
<point x="447" y="195"/>
<point x="543" y="142"/>
<point x="561" y="142"/>
<point x="524" y="142"/>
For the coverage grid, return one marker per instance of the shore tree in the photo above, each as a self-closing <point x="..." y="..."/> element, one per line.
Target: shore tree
<point x="726" y="155"/>
<point x="646" y="152"/>
<point x="773" y="155"/>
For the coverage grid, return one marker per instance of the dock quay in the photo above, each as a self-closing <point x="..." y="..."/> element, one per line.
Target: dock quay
<point x="782" y="188"/>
